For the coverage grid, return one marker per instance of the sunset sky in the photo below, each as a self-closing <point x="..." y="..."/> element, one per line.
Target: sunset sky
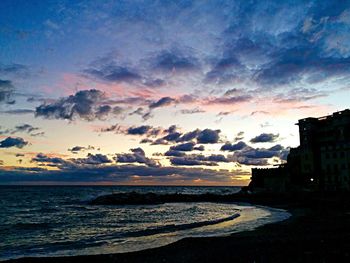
<point x="163" y="92"/>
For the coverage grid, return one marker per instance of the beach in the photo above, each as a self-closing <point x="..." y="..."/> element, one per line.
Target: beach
<point x="317" y="231"/>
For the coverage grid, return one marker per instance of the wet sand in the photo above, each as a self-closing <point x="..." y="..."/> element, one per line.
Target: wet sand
<point x="317" y="231"/>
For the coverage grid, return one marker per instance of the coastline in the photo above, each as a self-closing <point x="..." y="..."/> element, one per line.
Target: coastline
<point x="317" y="231"/>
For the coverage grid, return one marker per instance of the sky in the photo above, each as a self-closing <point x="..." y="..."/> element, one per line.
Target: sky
<point x="163" y="92"/>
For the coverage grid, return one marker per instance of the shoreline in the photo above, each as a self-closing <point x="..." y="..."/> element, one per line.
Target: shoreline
<point x="312" y="233"/>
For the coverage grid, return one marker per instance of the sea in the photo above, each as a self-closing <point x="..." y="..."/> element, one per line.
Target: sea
<point x="58" y="221"/>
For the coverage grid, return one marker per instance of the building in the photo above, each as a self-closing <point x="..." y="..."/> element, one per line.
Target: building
<point x="321" y="162"/>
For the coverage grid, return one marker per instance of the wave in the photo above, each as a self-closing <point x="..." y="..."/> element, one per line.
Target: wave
<point x="173" y="227"/>
<point x="31" y="226"/>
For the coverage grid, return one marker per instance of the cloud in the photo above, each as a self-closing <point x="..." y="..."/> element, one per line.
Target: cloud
<point x="18" y="111"/>
<point x="265" y="137"/>
<point x="85" y="105"/>
<point x="106" y="69"/>
<point x="15" y="70"/>
<point x="190" y="161"/>
<point x="137" y="156"/>
<point x="233" y="147"/>
<point x="6" y="92"/>
<point x="165" y="101"/>
<point x="200" y="159"/>
<point x="46" y="160"/>
<point x="208" y="136"/>
<point x="184" y="147"/>
<point x="225" y="70"/>
<point x="228" y="100"/>
<point x="259" y="156"/>
<point x="188" y="136"/>
<point x="144" y="130"/>
<point x="89" y="160"/>
<point x="24" y="128"/>
<point x="174" y="153"/>
<point x="117" y="174"/>
<point x="77" y="149"/>
<point x="13" y="142"/>
<point x="92" y="159"/>
<point x="239" y="136"/>
<point x="192" y="111"/>
<point x="303" y="62"/>
<point x="174" y="62"/>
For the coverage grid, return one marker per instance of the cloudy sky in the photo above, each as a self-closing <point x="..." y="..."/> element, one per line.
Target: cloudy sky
<point x="163" y="92"/>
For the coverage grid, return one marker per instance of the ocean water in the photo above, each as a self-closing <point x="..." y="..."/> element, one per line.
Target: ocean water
<point x="57" y="220"/>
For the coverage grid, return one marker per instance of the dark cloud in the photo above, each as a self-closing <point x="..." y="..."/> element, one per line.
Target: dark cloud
<point x="137" y="156"/>
<point x="205" y="136"/>
<point x="192" y="111"/>
<point x="224" y="113"/>
<point x="138" y="111"/>
<point x="184" y="147"/>
<point x="188" y="136"/>
<point x="265" y="137"/>
<point x="239" y="136"/>
<point x="85" y="105"/>
<point x="1" y="162"/>
<point x="259" y="156"/>
<point x="146" y="140"/>
<point x="112" y="128"/>
<point x="292" y="65"/>
<point x="226" y="70"/>
<point x="15" y="70"/>
<point x="144" y="130"/>
<point x="165" y="101"/>
<point x="155" y="83"/>
<point x="259" y="112"/>
<point x="174" y="62"/>
<point x="110" y="71"/>
<point x="172" y="136"/>
<point x="229" y="100"/>
<point x="232" y="92"/>
<point x="199" y="159"/>
<point x="190" y="161"/>
<point x="44" y="159"/>
<point x="299" y="95"/>
<point x="26" y="128"/>
<point x="233" y="147"/>
<point x="89" y="160"/>
<point x="208" y="136"/>
<point x="13" y="142"/>
<point x="174" y="153"/>
<point x="199" y="148"/>
<point x="23" y="128"/>
<point x="18" y="111"/>
<point x="160" y="141"/>
<point x="77" y="149"/>
<point x="113" y="173"/>
<point x="92" y="159"/>
<point x="6" y="92"/>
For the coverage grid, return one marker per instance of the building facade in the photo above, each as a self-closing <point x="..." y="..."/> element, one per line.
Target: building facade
<point x="322" y="161"/>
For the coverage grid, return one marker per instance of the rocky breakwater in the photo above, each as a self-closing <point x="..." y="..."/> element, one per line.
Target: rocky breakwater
<point x="134" y="198"/>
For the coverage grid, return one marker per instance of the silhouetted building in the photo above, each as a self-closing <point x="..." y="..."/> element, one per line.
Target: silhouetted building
<point x="321" y="162"/>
